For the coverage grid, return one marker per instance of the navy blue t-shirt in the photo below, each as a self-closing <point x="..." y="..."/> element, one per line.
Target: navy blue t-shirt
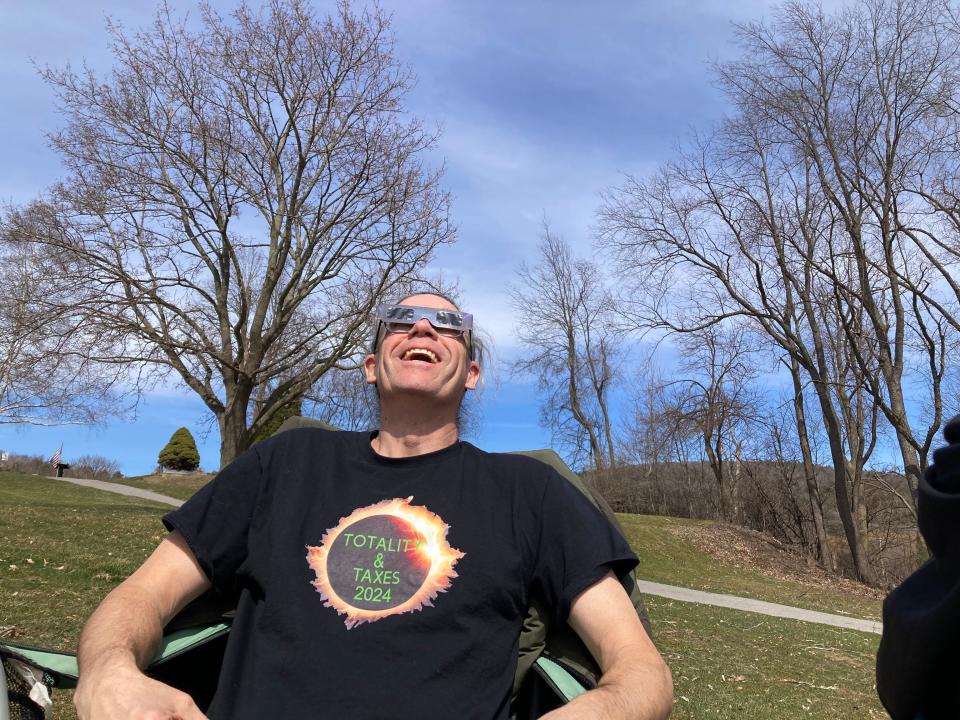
<point x="373" y="587"/>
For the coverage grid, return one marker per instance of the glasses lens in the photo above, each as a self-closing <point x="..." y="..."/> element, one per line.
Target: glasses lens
<point x="400" y="318"/>
<point x="397" y="327"/>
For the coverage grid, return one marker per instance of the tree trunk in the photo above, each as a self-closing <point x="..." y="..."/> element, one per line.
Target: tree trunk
<point x="824" y="553"/>
<point x="908" y="453"/>
<point x="234" y="435"/>
<point x="716" y="463"/>
<point x="851" y="526"/>
<point x="607" y="428"/>
<point x="573" y="395"/>
<point x="734" y="484"/>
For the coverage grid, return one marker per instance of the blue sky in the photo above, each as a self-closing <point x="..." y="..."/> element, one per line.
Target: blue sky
<point x="542" y="106"/>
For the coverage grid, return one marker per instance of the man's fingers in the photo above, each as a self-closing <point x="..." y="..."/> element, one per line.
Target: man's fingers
<point x="182" y="708"/>
<point x="188" y="710"/>
<point x="194" y="714"/>
<point x="135" y="698"/>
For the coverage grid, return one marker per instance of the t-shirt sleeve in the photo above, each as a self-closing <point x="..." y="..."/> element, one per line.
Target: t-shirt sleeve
<point x="216" y="521"/>
<point x="577" y="546"/>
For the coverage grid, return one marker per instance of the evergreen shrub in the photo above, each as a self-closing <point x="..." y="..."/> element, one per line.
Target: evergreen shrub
<point x="180" y="453"/>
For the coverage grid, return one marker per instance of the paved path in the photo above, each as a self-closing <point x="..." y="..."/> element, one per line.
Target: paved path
<point x="759" y="606"/>
<point x="668" y="591"/>
<point x="123" y="490"/>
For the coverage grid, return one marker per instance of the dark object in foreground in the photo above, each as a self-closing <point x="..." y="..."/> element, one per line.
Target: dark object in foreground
<point x="918" y="661"/>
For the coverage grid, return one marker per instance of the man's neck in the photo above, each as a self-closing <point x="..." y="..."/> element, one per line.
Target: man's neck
<point x="404" y="434"/>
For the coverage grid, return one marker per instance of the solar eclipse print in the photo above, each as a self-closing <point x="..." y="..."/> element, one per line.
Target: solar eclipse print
<point x="385" y="559"/>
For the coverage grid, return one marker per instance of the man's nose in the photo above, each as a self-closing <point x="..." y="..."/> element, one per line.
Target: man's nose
<point x="423" y="327"/>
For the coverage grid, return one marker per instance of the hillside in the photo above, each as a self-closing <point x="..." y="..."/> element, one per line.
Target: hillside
<point x="718" y="557"/>
<point x="175" y="485"/>
<point x="772" y="497"/>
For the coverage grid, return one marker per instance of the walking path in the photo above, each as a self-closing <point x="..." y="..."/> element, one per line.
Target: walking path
<point x="121" y="489"/>
<point x="668" y="591"/>
<point x="759" y="606"/>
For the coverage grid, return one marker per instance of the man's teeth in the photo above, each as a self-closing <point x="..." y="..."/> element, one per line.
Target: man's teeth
<point x="420" y="354"/>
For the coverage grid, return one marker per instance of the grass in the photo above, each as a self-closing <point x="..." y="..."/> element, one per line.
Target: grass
<point x="62" y="548"/>
<point x="671" y="558"/>
<point x="733" y="666"/>
<point x="176" y="486"/>
<point x="726" y="664"/>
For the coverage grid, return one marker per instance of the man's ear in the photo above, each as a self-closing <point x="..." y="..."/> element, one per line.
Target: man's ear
<point x="473" y="375"/>
<point x="370" y="369"/>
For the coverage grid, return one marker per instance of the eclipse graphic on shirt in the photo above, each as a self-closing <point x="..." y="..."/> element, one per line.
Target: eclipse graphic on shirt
<point x="384" y="559"/>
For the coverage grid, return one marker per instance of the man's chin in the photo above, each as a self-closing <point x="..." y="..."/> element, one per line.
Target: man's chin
<point x="421" y="392"/>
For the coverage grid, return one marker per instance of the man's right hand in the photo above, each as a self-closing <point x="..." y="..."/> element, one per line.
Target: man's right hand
<point x="127" y="694"/>
<point x="122" y="635"/>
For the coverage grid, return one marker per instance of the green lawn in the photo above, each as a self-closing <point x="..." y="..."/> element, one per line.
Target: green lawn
<point x="669" y="558"/>
<point x="63" y="547"/>
<point x="738" y="666"/>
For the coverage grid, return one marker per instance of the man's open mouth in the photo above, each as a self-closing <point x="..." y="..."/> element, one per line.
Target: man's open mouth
<point x="421" y="354"/>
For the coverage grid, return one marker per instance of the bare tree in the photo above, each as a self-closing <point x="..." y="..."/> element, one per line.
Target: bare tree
<point x="815" y="500"/>
<point x="343" y="399"/>
<point x="715" y="393"/>
<point x="239" y="198"/>
<point x="781" y="496"/>
<point x="567" y="328"/>
<point x="719" y="239"/>
<point x="861" y="96"/>
<point x="644" y="440"/>
<point x="793" y="215"/>
<point x="42" y="381"/>
<point x="96" y="467"/>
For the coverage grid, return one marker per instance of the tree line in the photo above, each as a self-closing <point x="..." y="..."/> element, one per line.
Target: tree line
<point x="812" y="235"/>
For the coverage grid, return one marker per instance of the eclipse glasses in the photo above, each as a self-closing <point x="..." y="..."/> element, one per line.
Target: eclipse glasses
<point x="400" y="318"/>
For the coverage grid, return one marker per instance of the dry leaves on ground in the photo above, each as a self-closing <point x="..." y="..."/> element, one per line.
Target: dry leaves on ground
<point x="739" y="547"/>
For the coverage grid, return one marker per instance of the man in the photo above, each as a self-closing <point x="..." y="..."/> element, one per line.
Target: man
<point x="382" y="576"/>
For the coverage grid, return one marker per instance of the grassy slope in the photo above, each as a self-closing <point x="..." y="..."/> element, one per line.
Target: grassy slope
<point x="81" y="542"/>
<point x="726" y="664"/>
<point x="64" y="547"/>
<point x="667" y="556"/>
<point x="176" y="486"/>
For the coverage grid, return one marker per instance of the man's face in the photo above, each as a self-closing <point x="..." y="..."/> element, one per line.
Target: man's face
<point x="421" y="361"/>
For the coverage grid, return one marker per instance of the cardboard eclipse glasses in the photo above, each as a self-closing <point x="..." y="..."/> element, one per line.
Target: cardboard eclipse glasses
<point x="400" y="318"/>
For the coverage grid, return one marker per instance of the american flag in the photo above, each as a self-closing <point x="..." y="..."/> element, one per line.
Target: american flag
<point x="56" y="456"/>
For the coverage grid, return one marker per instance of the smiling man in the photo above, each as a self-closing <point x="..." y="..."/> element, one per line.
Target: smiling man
<point x="381" y="575"/>
<point x="422" y="369"/>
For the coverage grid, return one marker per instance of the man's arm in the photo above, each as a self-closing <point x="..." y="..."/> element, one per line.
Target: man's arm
<point x="122" y="634"/>
<point x="636" y="682"/>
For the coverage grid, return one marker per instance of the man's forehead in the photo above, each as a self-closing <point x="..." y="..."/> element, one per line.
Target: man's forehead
<point x="427" y="300"/>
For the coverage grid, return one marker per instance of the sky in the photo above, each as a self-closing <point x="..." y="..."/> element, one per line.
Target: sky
<point x="542" y="106"/>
